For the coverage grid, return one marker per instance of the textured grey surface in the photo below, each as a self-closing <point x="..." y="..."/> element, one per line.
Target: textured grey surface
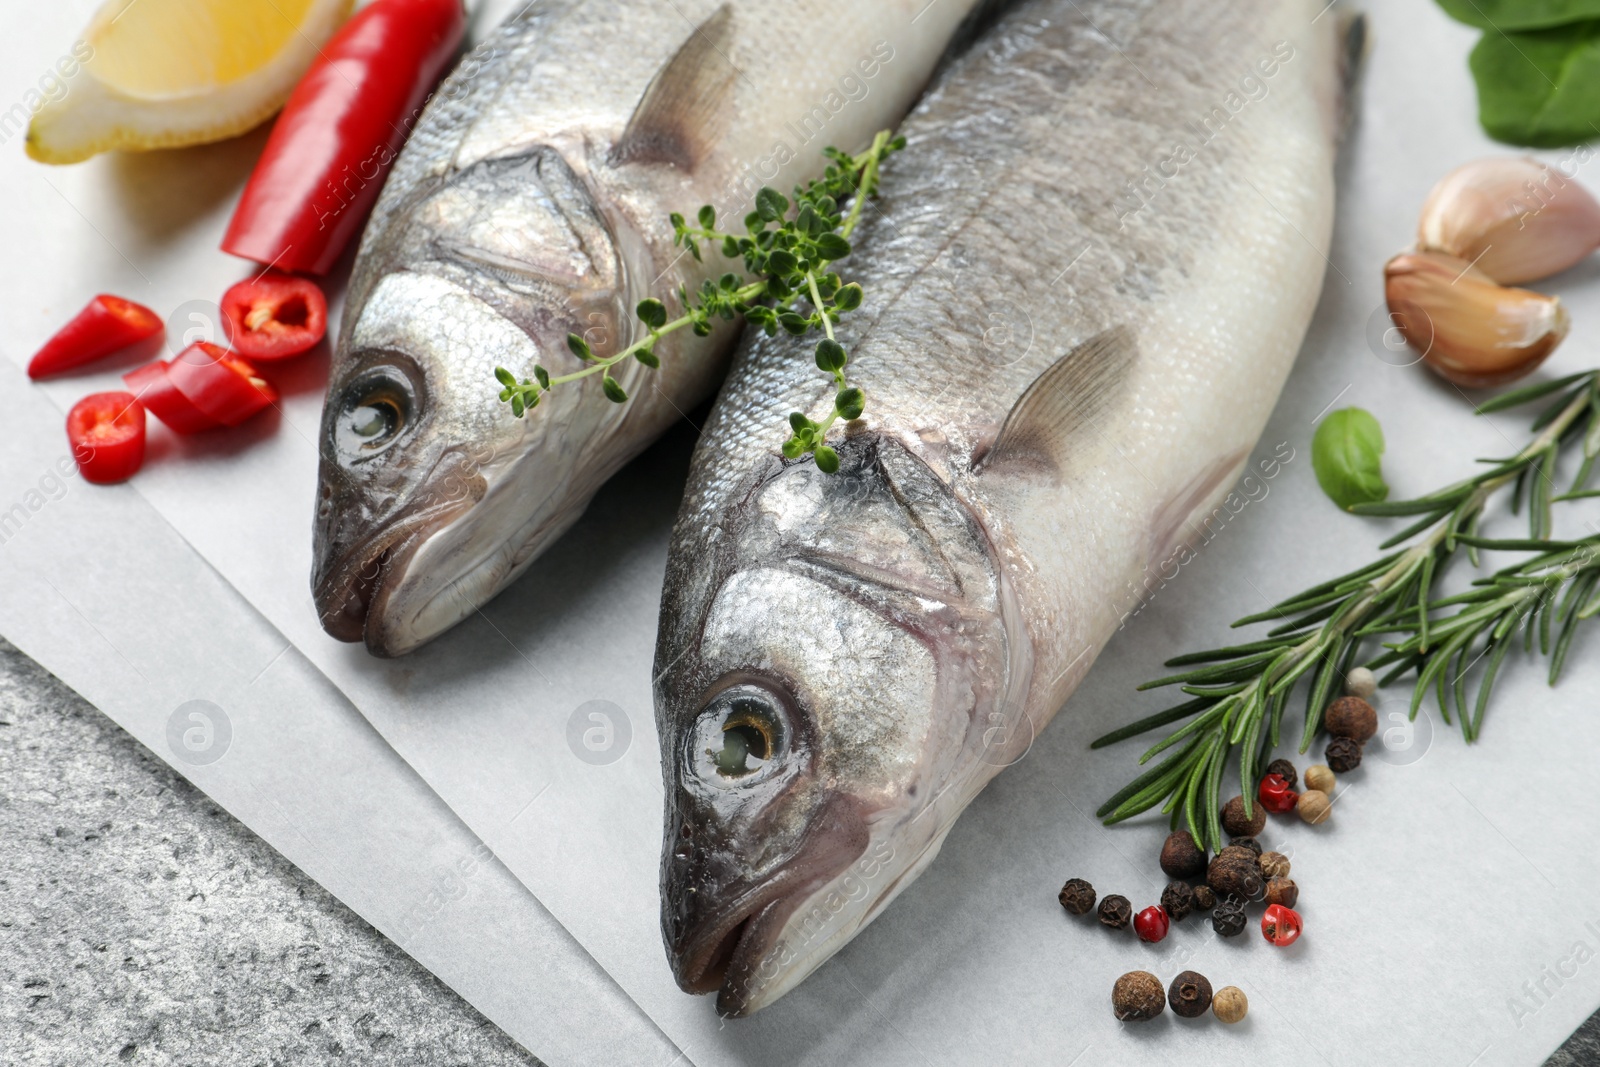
<point x="140" y="923"/>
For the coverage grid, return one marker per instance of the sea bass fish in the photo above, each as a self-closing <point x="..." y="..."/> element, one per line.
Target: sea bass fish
<point x="531" y="203"/>
<point x="1086" y="281"/>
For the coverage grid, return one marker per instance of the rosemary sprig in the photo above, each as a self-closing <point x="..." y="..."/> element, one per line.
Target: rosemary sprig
<point x="1239" y="693"/>
<point x="787" y="258"/>
<point x="1553" y="588"/>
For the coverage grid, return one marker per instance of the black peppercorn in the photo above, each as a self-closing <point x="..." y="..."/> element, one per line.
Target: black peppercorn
<point x="1189" y="995"/>
<point x="1238" y="824"/>
<point x="1116" y="912"/>
<point x="1077" y="896"/>
<point x="1178" y="899"/>
<point x="1235" y="872"/>
<point x="1343" y="755"/>
<point x="1247" y="842"/>
<point x="1137" y="996"/>
<point x="1204" y="898"/>
<point x="1285" y="770"/>
<point x="1228" y="918"/>
<point x="1181" y="857"/>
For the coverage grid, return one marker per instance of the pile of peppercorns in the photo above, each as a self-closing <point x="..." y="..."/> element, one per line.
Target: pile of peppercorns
<point x="1240" y="873"/>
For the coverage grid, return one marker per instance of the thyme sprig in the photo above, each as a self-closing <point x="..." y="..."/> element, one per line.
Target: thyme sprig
<point x="787" y="251"/>
<point x="1239" y="693"/>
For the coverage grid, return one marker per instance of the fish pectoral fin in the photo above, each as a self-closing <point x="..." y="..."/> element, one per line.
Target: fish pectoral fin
<point x="1075" y="392"/>
<point x="679" y="120"/>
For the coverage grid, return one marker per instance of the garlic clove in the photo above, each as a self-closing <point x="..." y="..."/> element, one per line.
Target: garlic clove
<point x="1517" y="219"/>
<point x="1469" y="329"/>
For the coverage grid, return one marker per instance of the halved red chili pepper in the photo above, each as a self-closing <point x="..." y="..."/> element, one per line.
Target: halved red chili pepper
<point x="219" y="383"/>
<point x="156" y="391"/>
<point x="341" y="129"/>
<point x="109" y="324"/>
<point x="106" y="431"/>
<point x="275" y="316"/>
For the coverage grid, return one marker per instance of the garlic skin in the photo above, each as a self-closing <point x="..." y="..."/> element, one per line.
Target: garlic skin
<point x="1517" y="220"/>
<point x="1469" y="329"/>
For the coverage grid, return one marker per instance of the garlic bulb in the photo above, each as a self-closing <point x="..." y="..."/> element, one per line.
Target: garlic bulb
<point x="1469" y="329"/>
<point x="1515" y="219"/>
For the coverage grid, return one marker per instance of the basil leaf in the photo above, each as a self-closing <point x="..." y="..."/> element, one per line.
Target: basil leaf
<point x="1541" y="88"/>
<point x="1511" y="15"/>
<point x="1346" y="454"/>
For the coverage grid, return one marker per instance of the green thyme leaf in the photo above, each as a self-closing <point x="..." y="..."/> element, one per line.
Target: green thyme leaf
<point x="614" y="391"/>
<point x="1347" y="456"/>
<point x="580" y="347"/>
<point x="849" y="403"/>
<point x="830" y="356"/>
<point x="827" y="460"/>
<point x="653" y="313"/>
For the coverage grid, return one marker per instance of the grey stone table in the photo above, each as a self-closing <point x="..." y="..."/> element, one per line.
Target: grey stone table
<point x="140" y="923"/>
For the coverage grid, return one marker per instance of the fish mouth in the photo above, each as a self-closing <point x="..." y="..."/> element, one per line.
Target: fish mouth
<point x="738" y="950"/>
<point x="353" y="598"/>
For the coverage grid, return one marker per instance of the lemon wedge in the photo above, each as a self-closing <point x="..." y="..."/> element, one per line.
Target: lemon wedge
<point x="167" y="73"/>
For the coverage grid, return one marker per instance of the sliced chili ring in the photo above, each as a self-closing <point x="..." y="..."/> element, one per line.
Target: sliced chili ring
<point x="156" y="391"/>
<point x="109" y="324"/>
<point x="275" y="316"/>
<point x="107" y="434"/>
<point x="219" y="383"/>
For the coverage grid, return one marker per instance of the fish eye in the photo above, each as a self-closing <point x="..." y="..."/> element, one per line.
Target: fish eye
<point x="739" y="737"/>
<point x="372" y="414"/>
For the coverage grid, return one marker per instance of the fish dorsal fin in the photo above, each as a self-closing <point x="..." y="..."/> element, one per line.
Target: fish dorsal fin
<point x="680" y="117"/>
<point x="1066" y="399"/>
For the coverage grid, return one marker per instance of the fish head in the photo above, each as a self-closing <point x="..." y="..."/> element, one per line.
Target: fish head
<point x="830" y="672"/>
<point x="433" y="496"/>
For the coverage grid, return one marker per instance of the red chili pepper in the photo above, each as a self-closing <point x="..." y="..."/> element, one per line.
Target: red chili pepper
<point x="1281" y="925"/>
<point x="156" y="391"/>
<point x="1275" y="794"/>
<point x="106" y="431"/>
<point x="275" y="316"/>
<point x="1151" y="924"/>
<point x="219" y="383"/>
<point x="109" y="324"/>
<point x="341" y="129"/>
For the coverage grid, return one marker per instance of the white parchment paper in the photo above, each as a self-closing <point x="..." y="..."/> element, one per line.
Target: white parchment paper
<point x="1447" y="909"/>
<point x="100" y="590"/>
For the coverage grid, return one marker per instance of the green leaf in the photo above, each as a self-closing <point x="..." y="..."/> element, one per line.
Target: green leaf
<point x="648" y="358"/>
<point x="827" y="460"/>
<point x="505" y="377"/>
<point x="771" y="204"/>
<point x="653" y="313"/>
<point x="708" y="217"/>
<point x="543" y="376"/>
<point x="832" y="246"/>
<point x="580" y="347"/>
<point x="780" y="261"/>
<point x="614" y="391"/>
<point x="1508" y="15"/>
<point x="792" y="448"/>
<point x="849" y="403"/>
<point x="830" y="356"/>
<point x="1539" y="88"/>
<point x="849" y="298"/>
<point x="517" y="407"/>
<point x="793" y="323"/>
<point x="1346" y="454"/>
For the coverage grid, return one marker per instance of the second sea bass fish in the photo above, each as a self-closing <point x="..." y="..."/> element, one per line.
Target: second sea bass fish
<point x="531" y="203"/>
<point x="1093" y="266"/>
